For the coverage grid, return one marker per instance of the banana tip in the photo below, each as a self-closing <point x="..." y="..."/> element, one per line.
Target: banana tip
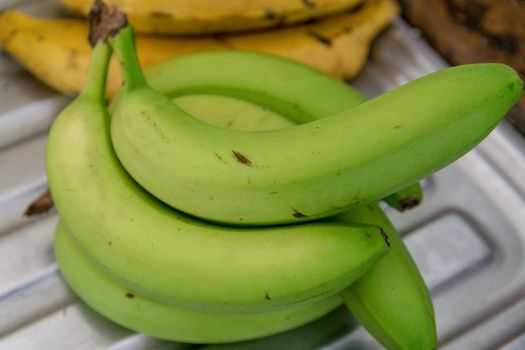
<point x="407" y="203"/>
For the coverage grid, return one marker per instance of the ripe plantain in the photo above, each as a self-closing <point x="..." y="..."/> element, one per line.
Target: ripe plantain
<point x="360" y="154"/>
<point x="139" y="313"/>
<point x="170" y="257"/>
<point x="205" y="16"/>
<point x="337" y="45"/>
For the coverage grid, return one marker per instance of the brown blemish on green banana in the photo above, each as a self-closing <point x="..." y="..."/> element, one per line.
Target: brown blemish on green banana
<point x="297" y="214"/>
<point x="385" y="236"/>
<point x="241" y="158"/>
<point x="130" y="295"/>
<point x="407" y="203"/>
<point x="218" y="156"/>
<point x="327" y="292"/>
<point x="159" y="130"/>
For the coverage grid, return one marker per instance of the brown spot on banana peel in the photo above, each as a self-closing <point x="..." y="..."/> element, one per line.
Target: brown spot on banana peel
<point x="160" y="14"/>
<point x="267" y="297"/>
<point x="5" y="40"/>
<point x="72" y="60"/>
<point x="297" y="214"/>
<point x="357" y="8"/>
<point x="273" y="17"/>
<point x="130" y="295"/>
<point x="218" y="156"/>
<point x="312" y="297"/>
<point x="320" y="38"/>
<point x="385" y="236"/>
<point x="40" y="205"/>
<point x="407" y="203"/>
<point x="270" y="15"/>
<point x="309" y="3"/>
<point x="241" y="158"/>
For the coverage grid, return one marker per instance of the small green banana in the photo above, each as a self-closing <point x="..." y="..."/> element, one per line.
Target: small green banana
<point x="173" y="258"/>
<point x="407" y="198"/>
<point x="136" y="312"/>
<point x="391" y="300"/>
<point x="360" y="154"/>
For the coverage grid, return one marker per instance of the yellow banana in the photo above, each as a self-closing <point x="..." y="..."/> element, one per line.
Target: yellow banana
<point x="205" y="16"/>
<point x="337" y="45"/>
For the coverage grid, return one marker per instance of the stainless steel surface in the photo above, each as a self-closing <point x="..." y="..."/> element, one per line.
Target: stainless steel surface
<point x="468" y="237"/>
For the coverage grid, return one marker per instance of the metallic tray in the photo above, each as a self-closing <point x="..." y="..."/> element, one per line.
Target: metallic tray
<point x="468" y="237"/>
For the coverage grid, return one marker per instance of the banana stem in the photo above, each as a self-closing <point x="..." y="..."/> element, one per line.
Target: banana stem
<point x="124" y="45"/>
<point x="94" y="87"/>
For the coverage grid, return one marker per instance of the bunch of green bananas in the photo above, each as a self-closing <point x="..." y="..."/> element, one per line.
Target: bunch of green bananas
<point x="155" y="269"/>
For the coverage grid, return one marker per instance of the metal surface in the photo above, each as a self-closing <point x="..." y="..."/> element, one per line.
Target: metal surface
<point x="468" y="237"/>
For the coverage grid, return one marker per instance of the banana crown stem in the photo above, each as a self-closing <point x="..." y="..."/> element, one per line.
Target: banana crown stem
<point x="94" y="87"/>
<point x="124" y="46"/>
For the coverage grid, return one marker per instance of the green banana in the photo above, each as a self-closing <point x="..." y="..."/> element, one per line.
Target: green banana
<point x="232" y="113"/>
<point x="391" y="300"/>
<point x="394" y="282"/>
<point x="136" y="312"/>
<point x="407" y="198"/>
<point x="170" y="257"/>
<point x="260" y="178"/>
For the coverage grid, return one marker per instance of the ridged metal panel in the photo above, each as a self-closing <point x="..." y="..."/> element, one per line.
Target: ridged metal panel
<point x="468" y="237"/>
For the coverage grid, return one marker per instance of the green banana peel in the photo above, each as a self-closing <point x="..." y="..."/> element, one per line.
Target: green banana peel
<point x="141" y="314"/>
<point x="135" y="244"/>
<point x="407" y="198"/>
<point x="175" y="259"/>
<point x="391" y="300"/>
<point x="358" y="155"/>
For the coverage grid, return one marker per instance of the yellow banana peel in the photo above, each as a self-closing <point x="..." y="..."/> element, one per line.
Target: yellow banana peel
<point x="57" y="52"/>
<point x="205" y="16"/>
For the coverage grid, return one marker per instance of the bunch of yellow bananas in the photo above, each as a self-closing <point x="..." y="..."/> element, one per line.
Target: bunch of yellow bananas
<point x="336" y="38"/>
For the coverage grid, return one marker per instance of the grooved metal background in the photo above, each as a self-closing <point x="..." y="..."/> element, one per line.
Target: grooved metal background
<point x="468" y="237"/>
